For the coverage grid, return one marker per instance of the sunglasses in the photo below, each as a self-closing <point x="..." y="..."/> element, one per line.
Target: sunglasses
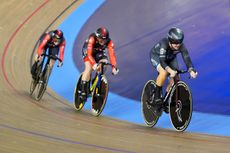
<point x="176" y="42"/>
<point x="55" y="39"/>
<point x="101" y="40"/>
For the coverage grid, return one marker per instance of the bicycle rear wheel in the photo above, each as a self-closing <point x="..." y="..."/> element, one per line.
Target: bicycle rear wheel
<point x="148" y="111"/>
<point x="78" y="102"/>
<point x="180" y="108"/>
<point x="99" y="96"/>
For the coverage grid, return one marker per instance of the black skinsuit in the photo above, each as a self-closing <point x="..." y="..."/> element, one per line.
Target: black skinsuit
<point x="162" y="54"/>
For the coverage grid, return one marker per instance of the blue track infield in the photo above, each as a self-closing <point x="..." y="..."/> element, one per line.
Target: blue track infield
<point x="123" y="101"/>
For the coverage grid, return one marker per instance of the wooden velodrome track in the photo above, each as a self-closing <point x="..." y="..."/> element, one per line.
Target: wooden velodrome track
<point x="52" y="125"/>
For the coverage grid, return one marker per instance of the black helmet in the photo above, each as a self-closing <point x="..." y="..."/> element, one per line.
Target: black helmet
<point x="102" y="33"/>
<point x="175" y="35"/>
<point x="58" y="34"/>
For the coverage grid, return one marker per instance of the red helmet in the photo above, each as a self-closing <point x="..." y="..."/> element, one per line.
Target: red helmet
<point x="58" y="34"/>
<point x="102" y="33"/>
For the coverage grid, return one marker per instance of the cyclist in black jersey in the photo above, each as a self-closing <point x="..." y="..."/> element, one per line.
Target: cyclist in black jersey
<point x="163" y="58"/>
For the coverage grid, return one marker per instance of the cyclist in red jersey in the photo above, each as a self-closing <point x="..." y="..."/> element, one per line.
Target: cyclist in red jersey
<point x="55" y="42"/>
<point x="93" y="52"/>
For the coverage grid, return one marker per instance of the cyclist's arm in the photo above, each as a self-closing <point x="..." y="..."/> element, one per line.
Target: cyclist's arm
<point x="163" y="58"/>
<point x="43" y="44"/>
<point x="90" y="44"/>
<point x="62" y="49"/>
<point x="163" y="63"/>
<point x="112" y="55"/>
<point x="187" y="59"/>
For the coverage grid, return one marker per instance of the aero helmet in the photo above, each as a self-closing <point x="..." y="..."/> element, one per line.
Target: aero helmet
<point x="102" y="33"/>
<point x="175" y="35"/>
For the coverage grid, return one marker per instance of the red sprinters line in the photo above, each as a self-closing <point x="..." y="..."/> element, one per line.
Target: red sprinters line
<point x="12" y="37"/>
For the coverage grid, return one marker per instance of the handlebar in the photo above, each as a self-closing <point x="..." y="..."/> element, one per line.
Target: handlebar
<point x="51" y="56"/>
<point x="105" y="63"/>
<point x="181" y="71"/>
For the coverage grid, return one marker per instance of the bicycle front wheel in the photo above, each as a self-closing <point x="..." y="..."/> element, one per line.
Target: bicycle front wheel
<point x="40" y="91"/>
<point x="149" y="116"/>
<point x="43" y="83"/>
<point x="99" y="96"/>
<point x="180" y="107"/>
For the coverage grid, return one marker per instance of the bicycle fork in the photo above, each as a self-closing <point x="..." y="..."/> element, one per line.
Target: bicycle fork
<point x="96" y="83"/>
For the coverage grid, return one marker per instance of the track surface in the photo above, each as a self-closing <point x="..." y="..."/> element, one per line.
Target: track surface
<point x="52" y="125"/>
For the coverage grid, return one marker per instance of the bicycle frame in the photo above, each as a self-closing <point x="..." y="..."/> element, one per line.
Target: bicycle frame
<point x="168" y="93"/>
<point x="46" y="58"/>
<point x="174" y="83"/>
<point x="97" y="81"/>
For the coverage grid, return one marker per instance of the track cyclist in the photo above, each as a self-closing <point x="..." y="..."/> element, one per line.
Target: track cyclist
<point x="54" y="42"/>
<point x="163" y="59"/>
<point x="93" y="52"/>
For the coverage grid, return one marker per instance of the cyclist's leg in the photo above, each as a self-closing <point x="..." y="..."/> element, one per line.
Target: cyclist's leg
<point x="86" y="74"/>
<point x="87" y="71"/>
<point x="33" y="69"/>
<point x="85" y="79"/>
<point x="52" y="61"/>
<point x="162" y="75"/>
<point x="35" y="65"/>
<point x="37" y="61"/>
<point x="175" y="66"/>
